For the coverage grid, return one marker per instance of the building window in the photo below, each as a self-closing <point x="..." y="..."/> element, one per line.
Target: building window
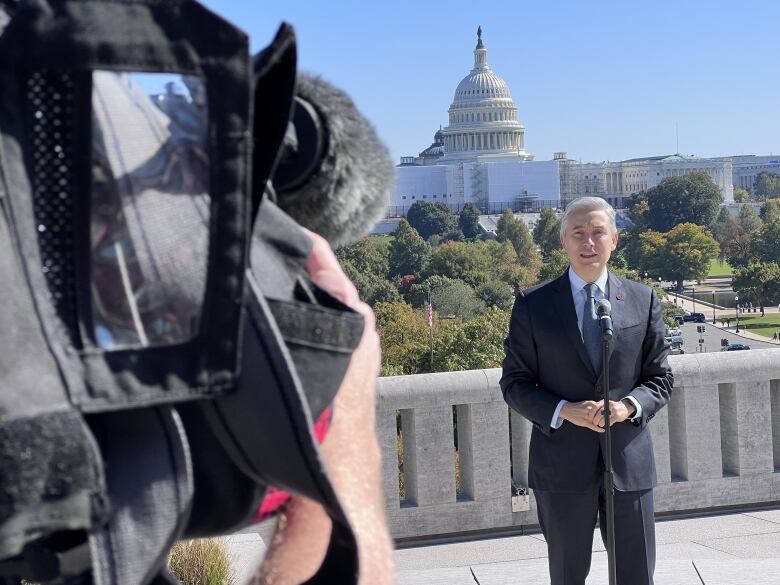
<point x="425" y="197"/>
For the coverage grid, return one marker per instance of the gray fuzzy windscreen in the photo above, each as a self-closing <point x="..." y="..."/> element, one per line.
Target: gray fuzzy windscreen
<point x="350" y="191"/>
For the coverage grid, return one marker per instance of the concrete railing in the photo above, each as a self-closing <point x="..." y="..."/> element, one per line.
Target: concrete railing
<point x="717" y="444"/>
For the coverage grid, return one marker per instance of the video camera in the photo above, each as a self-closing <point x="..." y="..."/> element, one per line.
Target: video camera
<point x="163" y="352"/>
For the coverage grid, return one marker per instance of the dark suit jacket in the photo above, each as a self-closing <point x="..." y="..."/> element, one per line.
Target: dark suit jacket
<point x="546" y="361"/>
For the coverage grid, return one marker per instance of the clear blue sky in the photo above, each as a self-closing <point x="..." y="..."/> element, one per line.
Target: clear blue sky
<point x="601" y="80"/>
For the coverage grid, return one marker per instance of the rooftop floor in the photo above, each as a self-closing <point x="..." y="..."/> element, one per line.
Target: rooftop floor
<point x="738" y="548"/>
<point x="726" y="549"/>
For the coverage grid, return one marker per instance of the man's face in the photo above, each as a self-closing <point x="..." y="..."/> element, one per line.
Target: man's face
<point x="589" y="241"/>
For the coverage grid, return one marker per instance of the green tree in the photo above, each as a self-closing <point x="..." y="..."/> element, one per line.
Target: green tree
<point x="459" y="261"/>
<point x="555" y="265"/>
<point x="418" y="291"/>
<point x="408" y="253"/>
<point x="469" y="221"/>
<point x="771" y="210"/>
<point x="749" y="220"/>
<point x="365" y="257"/>
<point x="682" y="253"/>
<point x="692" y="198"/>
<point x="470" y="344"/>
<point x="758" y="282"/>
<point x="495" y="293"/>
<point x="456" y="299"/>
<point x="513" y="230"/>
<point x="372" y="288"/>
<point x="639" y="212"/>
<point x="668" y="312"/>
<point x="628" y="246"/>
<point x="735" y="235"/>
<point x="766" y="185"/>
<point x="450" y="297"/>
<point x="547" y="232"/>
<point x="741" y="195"/>
<point x="765" y="245"/>
<point x="725" y="230"/>
<point x="403" y="332"/>
<point x="431" y="218"/>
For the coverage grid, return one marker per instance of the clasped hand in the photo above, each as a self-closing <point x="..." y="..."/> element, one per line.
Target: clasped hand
<point x="589" y="413"/>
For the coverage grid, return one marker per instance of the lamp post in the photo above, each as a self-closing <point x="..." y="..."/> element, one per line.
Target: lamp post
<point x="645" y="276"/>
<point x="693" y="296"/>
<point x="713" y="307"/>
<point x="736" y="299"/>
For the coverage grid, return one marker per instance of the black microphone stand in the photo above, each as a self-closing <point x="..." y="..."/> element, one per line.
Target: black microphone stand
<point x="609" y="480"/>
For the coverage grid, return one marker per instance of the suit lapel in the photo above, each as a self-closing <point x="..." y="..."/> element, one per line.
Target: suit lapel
<point x="564" y="305"/>
<point x="617" y="299"/>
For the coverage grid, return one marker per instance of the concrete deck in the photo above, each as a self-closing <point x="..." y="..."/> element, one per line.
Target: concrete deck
<point x="726" y="549"/>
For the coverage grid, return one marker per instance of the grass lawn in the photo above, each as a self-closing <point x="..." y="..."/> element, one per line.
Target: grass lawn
<point x="755" y="323"/>
<point x="718" y="268"/>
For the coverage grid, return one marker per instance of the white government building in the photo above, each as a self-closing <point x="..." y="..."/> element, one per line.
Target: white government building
<point x="481" y="157"/>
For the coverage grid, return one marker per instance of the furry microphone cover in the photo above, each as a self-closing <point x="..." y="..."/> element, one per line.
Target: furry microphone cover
<point x="349" y="192"/>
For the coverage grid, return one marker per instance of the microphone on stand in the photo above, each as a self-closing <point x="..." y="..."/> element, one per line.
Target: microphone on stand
<point x="604" y="314"/>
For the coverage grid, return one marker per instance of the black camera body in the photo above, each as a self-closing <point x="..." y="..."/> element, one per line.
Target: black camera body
<point x="164" y="354"/>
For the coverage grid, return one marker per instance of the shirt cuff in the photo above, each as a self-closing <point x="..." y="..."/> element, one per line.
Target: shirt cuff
<point x="557" y="421"/>
<point x="638" y="413"/>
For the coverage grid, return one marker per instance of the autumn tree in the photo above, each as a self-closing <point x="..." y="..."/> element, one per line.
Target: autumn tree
<point x="403" y="332"/>
<point x="682" y="253"/>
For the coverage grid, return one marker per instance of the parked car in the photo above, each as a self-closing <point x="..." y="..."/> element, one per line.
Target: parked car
<point x="734" y="347"/>
<point x="695" y="317"/>
<point x="674" y="332"/>
<point x="680" y="319"/>
<point x="675" y="341"/>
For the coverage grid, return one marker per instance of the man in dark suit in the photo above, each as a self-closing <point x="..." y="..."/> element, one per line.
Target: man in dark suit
<point x="552" y="376"/>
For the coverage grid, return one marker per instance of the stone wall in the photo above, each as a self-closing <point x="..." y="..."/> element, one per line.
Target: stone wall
<point x="716" y="444"/>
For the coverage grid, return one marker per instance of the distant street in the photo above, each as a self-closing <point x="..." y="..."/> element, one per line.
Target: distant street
<point x="713" y="335"/>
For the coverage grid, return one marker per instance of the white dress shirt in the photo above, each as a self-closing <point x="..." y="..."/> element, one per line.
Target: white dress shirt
<point x="579" y="296"/>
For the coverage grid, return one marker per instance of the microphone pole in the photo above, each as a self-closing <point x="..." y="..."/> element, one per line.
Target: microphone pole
<point x="603" y="311"/>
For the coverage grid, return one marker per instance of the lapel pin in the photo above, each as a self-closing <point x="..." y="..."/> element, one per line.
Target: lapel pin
<point x="619" y="297"/>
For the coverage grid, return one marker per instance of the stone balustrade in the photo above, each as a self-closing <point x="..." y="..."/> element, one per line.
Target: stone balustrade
<point x="717" y="444"/>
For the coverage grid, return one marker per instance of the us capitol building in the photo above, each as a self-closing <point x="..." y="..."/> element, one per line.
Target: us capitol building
<point x="481" y="157"/>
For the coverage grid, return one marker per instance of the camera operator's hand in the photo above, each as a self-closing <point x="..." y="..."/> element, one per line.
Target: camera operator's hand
<point x="351" y="452"/>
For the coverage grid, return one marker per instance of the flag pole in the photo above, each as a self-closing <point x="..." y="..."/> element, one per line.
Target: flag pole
<point x="430" y="322"/>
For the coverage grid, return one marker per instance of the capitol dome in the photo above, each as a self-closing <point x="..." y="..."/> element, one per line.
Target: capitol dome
<point x="481" y="83"/>
<point x="482" y="116"/>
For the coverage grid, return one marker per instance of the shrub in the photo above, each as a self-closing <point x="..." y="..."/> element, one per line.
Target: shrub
<point x="201" y="562"/>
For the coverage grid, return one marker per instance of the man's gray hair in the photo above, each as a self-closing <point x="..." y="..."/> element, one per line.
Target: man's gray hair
<point x="588" y="204"/>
